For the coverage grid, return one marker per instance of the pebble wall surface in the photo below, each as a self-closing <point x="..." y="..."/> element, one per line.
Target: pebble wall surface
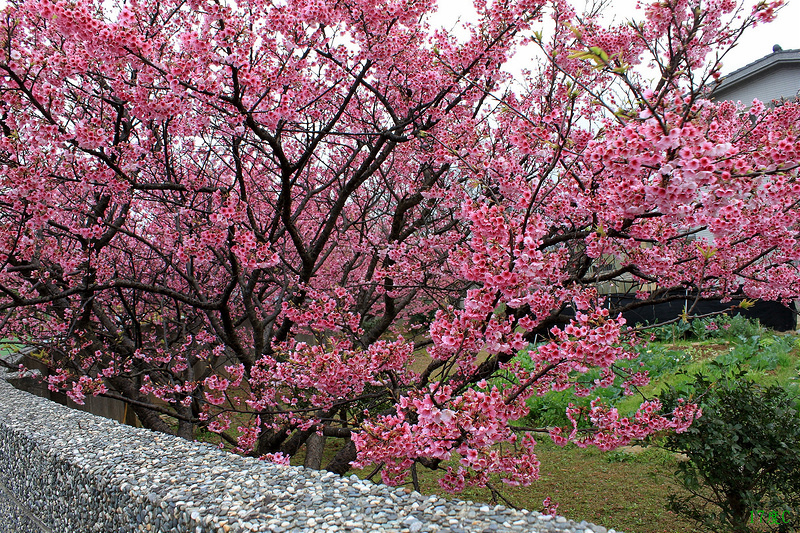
<point x="68" y="471"/>
<point x="16" y="516"/>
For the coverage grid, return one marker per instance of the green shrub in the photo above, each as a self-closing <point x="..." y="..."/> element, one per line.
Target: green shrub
<point x="659" y="359"/>
<point x="739" y="326"/>
<point x="551" y="409"/>
<point x="762" y="352"/>
<point x="670" y="332"/>
<point x="722" y="327"/>
<point x="744" y="455"/>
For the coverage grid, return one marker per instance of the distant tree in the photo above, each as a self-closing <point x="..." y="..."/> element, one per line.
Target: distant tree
<point x="254" y="217"/>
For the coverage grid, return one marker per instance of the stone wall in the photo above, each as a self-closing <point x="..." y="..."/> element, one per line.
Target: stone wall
<point x="68" y="471"/>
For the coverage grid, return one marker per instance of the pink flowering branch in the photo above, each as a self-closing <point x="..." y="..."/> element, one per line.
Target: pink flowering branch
<point x="286" y="222"/>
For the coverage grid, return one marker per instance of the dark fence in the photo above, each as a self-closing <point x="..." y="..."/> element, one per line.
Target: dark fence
<point x="771" y="314"/>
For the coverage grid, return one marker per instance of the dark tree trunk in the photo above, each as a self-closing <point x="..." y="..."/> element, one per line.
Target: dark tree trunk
<point x="294" y="442"/>
<point x="149" y="418"/>
<point x="340" y="463"/>
<point x="185" y="429"/>
<point x="741" y="514"/>
<point x="270" y="442"/>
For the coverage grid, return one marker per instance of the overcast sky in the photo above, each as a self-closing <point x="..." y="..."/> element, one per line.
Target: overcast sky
<point x="755" y="44"/>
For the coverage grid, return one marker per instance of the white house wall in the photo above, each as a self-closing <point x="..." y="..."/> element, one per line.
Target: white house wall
<point x="774" y="84"/>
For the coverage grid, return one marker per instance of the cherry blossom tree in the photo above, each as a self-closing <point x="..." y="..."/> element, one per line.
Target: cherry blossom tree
<point x="281" y="221"/>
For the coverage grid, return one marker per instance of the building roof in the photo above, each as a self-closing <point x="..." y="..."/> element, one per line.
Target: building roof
<point x="778" y="58"/>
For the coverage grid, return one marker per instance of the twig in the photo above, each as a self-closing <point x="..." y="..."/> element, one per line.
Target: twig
<point x="374" y="472"/>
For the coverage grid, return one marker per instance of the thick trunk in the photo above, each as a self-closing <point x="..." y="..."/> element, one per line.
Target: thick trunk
<point x="185" y="429"/>
<point x="149" y="418"/>
<point x="315" y="445"/>
<point x="340" y="463"/>
<point x="741" y="514"/>
<point x="294" y="442"/>
<point x="270" y="442"/>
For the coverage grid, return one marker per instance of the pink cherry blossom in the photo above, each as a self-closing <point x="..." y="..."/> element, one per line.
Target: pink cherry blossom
<point x="273" y="220"/>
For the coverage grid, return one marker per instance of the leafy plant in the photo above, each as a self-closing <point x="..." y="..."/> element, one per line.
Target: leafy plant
<point x="550" y="409"/>
<point x="761" y="352"/>
<point x="670" y="332"/>
<point x="659" y="359"/>
<point x="743" y="454"/>
<point x="741" y="326"/>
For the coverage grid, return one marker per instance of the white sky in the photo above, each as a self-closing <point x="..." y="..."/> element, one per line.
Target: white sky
<point x="754" y="44"/>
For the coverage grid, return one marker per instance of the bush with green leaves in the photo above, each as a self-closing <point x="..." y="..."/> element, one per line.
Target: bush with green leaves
<point x="671" y="332"/>
<point x="659" y="359"/>
<point x="761" y="352"/>
<point x="723" y="326"/>
<point x="744" y="455"/>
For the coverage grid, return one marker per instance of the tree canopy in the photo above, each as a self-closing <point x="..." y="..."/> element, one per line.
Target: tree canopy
<point x="275" y="220"/>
